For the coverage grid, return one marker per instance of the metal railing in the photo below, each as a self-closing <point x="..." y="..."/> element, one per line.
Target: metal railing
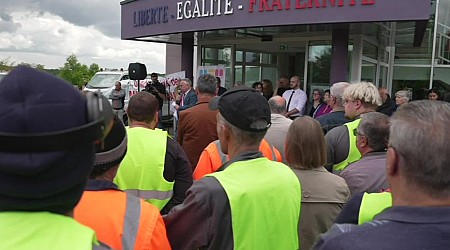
<point x="443" y="36"/>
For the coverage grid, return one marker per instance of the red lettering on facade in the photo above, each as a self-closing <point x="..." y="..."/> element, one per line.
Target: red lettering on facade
<point x="278" y="4"/>
<point x="299" y="4"/>
<point x="264" y="6"/>
<point x="368" y="2"/>
<point x="252" y="3"/>
<point x="288" y="5"/>
<point x="270" y="5"/>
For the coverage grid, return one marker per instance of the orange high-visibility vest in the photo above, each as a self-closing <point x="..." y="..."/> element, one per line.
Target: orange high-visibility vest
<point x="212" y="157"/>
<point x="122" y="221"/>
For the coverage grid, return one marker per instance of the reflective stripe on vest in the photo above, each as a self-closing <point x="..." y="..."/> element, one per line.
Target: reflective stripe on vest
<point x="353" y="152"/>
<point x="265" y="145"/>
<point x="151" y="194"/>
<point x="265" y="210"/>
<point x="372" y="205"/>
<point x="43" y="230"/>
<point x="141" y="172"/>
<point x="131" y="222"/>
<point x="274" y="156"/>
<point x="120" y="220"/>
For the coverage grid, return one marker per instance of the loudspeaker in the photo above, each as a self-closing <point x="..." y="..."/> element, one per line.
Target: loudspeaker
<point x="99" y="122"/>
<point x="137" y="71"/>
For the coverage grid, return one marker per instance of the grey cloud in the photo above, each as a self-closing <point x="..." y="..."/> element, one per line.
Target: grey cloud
<point x="6" y="23"/>
<point x="61" y="31"/>
<point x="5" y="16"/>
<point x="103" y="15"/>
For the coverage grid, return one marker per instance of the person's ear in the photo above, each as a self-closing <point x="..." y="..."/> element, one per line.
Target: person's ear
<point x="333" y="99"/>
<point x="226" y="132"/>
<point x="357" y="104"/>
<point x="364" y="142"/>
<point x="154" y="123"/>
<point x="392" y="162"/>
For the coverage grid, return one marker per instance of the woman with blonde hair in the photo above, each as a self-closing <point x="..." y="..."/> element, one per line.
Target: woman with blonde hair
<point x="323" y="193"/>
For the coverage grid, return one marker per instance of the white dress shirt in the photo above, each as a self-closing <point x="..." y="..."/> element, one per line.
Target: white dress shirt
<point x="298" y="101"/>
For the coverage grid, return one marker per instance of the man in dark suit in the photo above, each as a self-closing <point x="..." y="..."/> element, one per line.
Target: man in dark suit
<point x="188" y="96"/>
<point x="187" y="99"/>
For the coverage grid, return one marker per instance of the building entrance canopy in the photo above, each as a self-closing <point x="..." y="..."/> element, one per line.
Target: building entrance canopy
<point x="143" y="18"/>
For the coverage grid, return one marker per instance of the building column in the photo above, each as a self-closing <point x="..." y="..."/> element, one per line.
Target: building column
<point x="187" y="54"/>
<point x="339" y="54"/>
<point x="357" y="53"/>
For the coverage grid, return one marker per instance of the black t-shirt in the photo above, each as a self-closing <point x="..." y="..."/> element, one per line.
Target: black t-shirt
<point x="281" y="90"/>
<point x="150" y="87"/>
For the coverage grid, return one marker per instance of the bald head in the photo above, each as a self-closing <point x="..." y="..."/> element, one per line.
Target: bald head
<point x="277" y="105"/>
<point x="383" y="93"/>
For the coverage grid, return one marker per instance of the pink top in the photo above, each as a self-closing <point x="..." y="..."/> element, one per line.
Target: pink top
<point x="322" y="110"/>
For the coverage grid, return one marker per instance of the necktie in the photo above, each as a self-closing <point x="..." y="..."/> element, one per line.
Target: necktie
<point x="289" y="102"/>
<point x="182" y="100"/>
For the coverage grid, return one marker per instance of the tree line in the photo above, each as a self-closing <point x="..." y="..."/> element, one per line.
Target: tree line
<point x="72" y="71"/>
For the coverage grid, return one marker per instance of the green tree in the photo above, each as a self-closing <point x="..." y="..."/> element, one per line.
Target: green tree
<point x="320" y="67"/>
<point x="33" y="65"/>
<point x="53" y="71"/>
<point x="6" y="64"/>
<point x="77" y="73"/>
<point x="94" y="68"/>
<point x="39" y="66"/>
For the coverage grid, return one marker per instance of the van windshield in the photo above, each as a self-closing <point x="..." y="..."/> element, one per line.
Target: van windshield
<point x="103" y="81"/>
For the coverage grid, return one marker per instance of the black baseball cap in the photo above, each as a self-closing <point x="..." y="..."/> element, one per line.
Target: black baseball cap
<point x="241" y="106"/>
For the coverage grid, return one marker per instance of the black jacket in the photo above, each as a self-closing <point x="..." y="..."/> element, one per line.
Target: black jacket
<point x="388" y="107"/>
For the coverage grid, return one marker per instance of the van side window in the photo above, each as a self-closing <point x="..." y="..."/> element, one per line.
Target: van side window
<point x="125" y="77"/>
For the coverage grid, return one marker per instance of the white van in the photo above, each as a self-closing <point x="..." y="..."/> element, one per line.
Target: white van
<point x="104" y="81"/>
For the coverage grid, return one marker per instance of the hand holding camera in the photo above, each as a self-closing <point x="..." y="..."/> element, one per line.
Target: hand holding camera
<point x="151" y="89"/>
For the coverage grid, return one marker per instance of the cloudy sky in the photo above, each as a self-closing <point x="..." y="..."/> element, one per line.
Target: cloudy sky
<point x="48" y="31"/>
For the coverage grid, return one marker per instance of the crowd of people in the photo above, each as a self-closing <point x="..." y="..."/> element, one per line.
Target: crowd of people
<point x="248" y="169"/>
